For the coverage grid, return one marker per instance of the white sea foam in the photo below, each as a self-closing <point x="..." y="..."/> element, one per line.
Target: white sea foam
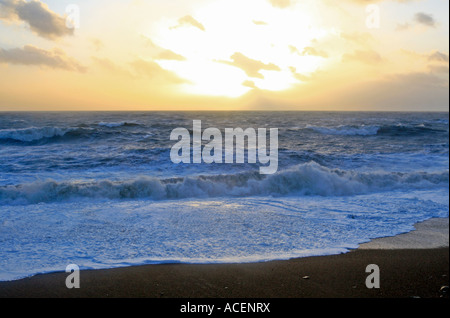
<point x="122" y="233"/>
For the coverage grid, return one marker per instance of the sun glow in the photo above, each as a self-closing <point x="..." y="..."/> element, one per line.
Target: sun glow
<point x="227" y="52"/>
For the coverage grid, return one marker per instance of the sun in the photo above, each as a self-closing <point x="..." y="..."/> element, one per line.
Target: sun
<point x="230" y="47"/>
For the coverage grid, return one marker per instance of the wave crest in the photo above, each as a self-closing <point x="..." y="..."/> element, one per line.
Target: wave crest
<point x="303" y="180"/>
<point x="33" y="133"/>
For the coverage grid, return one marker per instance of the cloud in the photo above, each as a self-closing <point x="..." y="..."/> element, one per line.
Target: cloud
<point x="31" y="55"/>
<point x="438" y="69"/>
<point x="250" y="84"/>
<point x="259" y="22"/>
<point x="111" y="67"/>
<point x="438" y="63"/>
<point x="368" y="57"/>
<point x="407" y="91"/>
<point x="298" y="76"/>
<point x="434" y="56"/>
<point x="294" y="50"/>
<point x="97" y="44"/>
<point x="6" y="9"/>
<point x="437" y="56"/>
<point x="397" y="91"/>
<point x="425" y="19"/>
<point x="155" y="72"/>
<point x="189" y="21"/>
<point x="309" y="50"/>
<point x="419" y="18"/>
<point x="37" y="15"/>
<point x="170" y="55"/>
<point x="403" y="26"/>
<point x="164" y="54"/>
<point x="251" y="67"/>
<point x="362" y="38"/>
<point x="365" y="2"/>
<point x="139" y="68"/>
<point x="314" y="52"/>
<point x="435" y="61"/>
<point x="418" y="79"/>
<point x="280" y="3"/>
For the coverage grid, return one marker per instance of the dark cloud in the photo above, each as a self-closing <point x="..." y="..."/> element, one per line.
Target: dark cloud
<point x="437" y="56"/>
<point x="31" y="55"/>
<point x="425" y="19"/>
<point x="438" y="62"/>
<point x="37" y="15"/>
<point x="419" y="18"/>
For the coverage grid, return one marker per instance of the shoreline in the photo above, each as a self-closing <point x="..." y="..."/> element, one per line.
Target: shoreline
<point x="431" y="233"/>
<point x="414" y="264"/>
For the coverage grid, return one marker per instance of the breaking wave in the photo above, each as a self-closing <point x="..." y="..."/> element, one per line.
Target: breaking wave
<point x="35" y="134"/>
<point x="302" y="180"/>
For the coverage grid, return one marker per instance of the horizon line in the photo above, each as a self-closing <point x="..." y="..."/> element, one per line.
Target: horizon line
<point x="222" y="110"/>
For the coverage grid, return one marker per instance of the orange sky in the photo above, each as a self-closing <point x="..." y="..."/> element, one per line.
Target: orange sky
<point x="224" y="55"/>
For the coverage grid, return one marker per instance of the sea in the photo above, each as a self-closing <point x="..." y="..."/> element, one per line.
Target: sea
<point x="99" y="189"/>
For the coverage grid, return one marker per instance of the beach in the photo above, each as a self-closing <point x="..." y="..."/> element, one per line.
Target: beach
<point x="415" y="264"/>
<point x="154" y="150"/>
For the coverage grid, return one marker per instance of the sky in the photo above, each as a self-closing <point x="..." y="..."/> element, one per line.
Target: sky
<point x="320" y="55"/>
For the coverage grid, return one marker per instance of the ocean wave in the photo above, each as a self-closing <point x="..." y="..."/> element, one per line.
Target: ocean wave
<point x="118" y="124"/>
<point x="346" y="130"/>
<point x="47" y="134"/>
<point x="34" y="133"/>
<point x="408" y="130"/>
<point x="302" y="180"/>
<point x="373" y="130"/>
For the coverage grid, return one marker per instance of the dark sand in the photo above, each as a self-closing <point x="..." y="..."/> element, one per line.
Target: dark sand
<point x="404" y="273"/>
